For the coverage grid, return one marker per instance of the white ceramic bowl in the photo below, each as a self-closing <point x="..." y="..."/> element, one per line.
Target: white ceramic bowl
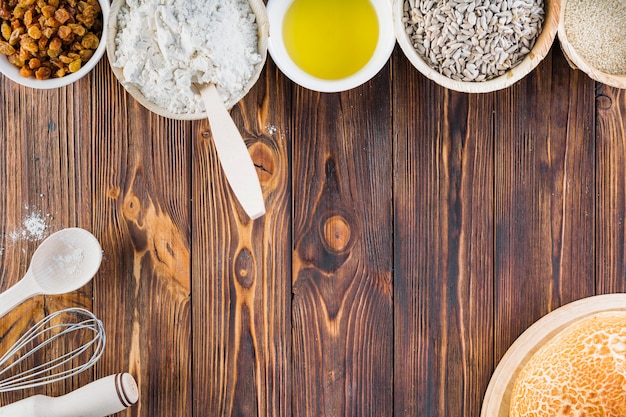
<point x="276" y="10"/>
<point x="13" y="73"/>
<point x="259" y="10"/>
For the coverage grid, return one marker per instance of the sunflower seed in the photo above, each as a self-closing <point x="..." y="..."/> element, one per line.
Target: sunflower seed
<point x="473" y="40"/>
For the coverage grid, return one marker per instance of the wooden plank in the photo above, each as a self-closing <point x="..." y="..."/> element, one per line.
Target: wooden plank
<point x="572" y="160"/>
<point x="342" y="301"/>
<point x="44" y="172"/>
<point x="16" y="247"/>
<point x="611" y="189"/>
<point x="241" y="269"/>
<point x="443" y="232"/>
<point x="544" y="197"/>
<point x="141" y="187"/>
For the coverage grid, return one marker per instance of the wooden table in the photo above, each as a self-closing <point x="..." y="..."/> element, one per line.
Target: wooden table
<point x="412" y="234"/>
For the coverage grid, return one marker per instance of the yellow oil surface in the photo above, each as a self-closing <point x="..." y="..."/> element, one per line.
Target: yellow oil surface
<point x="330" y="39"/>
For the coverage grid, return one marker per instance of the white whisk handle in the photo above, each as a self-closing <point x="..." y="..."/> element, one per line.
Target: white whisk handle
<point x="106" y="396"/>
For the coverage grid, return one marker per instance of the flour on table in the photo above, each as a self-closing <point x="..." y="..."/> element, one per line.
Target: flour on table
<point x="165" y="46"/>
<point x="271" y="129"/>
<point x="33" y="228"/>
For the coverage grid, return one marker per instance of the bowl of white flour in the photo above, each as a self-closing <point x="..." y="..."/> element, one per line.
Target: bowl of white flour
<point x="160" y="50"/>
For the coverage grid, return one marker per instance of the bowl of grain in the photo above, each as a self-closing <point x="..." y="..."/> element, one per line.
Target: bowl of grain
<point x="475" y="46"/>
<point x="163" y="51"/>
<point x="592" y="36"/>
<point x="51" y="43"/>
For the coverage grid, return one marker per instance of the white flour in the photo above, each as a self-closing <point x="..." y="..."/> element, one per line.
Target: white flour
<point x="67" y="264"/>
<point x="271" y="129"/>
<point x="164" y="46"/>
<point x="33" y="228"/>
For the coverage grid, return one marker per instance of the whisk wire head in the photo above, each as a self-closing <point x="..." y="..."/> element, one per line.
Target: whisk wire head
<point x="42" y="336"/>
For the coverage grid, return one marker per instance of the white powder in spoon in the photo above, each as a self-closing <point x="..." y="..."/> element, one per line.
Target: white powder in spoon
<point x="165" y="46"/>
<point x="68" y="264"/>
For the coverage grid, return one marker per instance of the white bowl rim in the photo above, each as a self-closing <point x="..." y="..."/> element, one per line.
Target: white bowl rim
<point x="13" y="73"/>
<point x="276" y="10"/>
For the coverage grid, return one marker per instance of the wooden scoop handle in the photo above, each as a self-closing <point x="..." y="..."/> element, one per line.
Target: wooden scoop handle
<point x="106" y="396"/>
<point x="233" y="154"/>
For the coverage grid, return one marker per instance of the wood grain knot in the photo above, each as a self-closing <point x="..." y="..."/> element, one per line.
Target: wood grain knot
<point x="132" y="207"/>
<point x="336" y="233"/>
<point x="244" y="268"/>
<point x="604" y="102"/>
<point x="264" y="161"/>
<point x="114" y="193"/>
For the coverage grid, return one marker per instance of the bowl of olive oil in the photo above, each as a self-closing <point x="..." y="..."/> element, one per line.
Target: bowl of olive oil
<point x="330" y="45"/>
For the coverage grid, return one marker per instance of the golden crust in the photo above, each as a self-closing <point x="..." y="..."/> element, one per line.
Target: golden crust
<point x="581" y="372"/>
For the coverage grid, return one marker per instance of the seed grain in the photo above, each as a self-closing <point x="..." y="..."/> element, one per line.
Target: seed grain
<point x="491" y="36"/>
<point x="597" y="30"/>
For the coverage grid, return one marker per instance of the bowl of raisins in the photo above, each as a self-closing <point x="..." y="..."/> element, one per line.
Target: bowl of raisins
<point x="51" y="43"/>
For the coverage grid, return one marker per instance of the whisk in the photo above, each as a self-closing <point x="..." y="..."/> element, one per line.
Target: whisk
<point x="45" y="335"/>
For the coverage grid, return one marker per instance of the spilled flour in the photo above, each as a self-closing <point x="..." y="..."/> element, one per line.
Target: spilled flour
<point x="33" y="228"/>
<point x="271" y="129"/>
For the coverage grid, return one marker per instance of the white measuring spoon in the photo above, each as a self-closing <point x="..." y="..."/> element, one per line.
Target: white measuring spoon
<point x="233" y="154"/>
<point x="64" y="262"/>
<point x="103" y="397"/>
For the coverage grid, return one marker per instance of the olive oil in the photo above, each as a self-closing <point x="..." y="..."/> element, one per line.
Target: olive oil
<point x="330" y="39"/>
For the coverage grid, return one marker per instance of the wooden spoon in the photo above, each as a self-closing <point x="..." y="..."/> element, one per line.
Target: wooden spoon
<point x="233" y="153"/>
<point x="64" y="262"/>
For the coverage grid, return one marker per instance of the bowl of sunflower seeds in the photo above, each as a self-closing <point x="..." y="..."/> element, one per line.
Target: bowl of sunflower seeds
<point x="475" y="46"/>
